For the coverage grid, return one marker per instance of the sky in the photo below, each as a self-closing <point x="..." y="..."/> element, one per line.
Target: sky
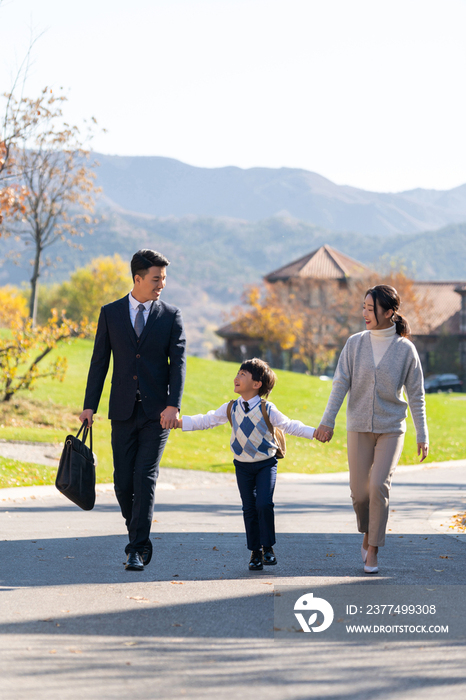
<point x="368" y="93"/>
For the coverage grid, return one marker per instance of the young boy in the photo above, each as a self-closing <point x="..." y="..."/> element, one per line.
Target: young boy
<point x="254" y="452"/>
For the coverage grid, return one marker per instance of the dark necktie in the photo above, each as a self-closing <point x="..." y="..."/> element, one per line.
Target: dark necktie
<point x="246" y="406"/>
<point x="139" y="320"/>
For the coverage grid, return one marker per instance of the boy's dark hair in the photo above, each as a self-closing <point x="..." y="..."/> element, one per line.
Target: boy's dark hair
<point x="260" y="372"/>
<point x="146" y="258"/>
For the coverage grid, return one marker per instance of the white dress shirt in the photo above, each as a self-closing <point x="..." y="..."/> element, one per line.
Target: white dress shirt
<point x="133" y="309"/>
<point x="214" y="418"/>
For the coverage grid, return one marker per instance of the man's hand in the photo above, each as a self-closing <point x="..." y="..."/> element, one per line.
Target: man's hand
<point x="87" y="414"/>
<point x="323" y="433"/>
<point x="422" y="447"/>
<point x="169" y="417"/>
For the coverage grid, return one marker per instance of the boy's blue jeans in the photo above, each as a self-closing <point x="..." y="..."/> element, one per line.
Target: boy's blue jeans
<point x="256" y="483"/>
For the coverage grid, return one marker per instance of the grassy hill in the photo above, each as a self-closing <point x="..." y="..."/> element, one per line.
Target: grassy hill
<point x="209" y="384"/>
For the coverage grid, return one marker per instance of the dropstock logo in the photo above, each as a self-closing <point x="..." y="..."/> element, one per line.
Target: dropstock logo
<point x="308" y="603"/>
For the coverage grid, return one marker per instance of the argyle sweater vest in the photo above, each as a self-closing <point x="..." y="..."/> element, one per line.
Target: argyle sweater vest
<point x="250" y="440"/>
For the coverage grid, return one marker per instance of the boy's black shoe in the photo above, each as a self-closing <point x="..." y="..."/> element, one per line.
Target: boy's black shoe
<point x="255" y="563"/>
<point x="269" y="556"/>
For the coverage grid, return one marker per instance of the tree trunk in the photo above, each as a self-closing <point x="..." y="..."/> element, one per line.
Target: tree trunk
<point x="35" y="286"/>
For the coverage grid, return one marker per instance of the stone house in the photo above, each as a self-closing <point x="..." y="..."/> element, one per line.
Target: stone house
<point x="439" y="330"/>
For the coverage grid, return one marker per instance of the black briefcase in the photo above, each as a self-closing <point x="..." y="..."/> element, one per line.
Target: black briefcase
<point x="76" y="471"/>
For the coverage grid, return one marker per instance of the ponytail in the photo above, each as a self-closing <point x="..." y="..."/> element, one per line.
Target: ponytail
<point x="402" y="326"/>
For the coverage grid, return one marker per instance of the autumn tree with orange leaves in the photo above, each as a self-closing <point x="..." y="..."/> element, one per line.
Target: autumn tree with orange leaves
<point x="311" y="319"/>
<point x="53" y="175"/>
<point x="22" y="352"/>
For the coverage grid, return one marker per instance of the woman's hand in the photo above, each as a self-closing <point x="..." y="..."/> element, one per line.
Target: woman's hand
<point x="424" y="448"/>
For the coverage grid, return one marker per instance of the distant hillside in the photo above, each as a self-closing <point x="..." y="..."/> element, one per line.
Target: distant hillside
<point x="166" y="187"/>
<point x="213" y="258"/>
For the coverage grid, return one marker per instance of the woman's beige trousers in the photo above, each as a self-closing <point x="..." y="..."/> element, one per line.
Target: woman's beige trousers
<point x="372" y="459"/>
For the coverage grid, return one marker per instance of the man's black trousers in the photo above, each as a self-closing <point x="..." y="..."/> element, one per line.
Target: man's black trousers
<point x="138" y="445"/>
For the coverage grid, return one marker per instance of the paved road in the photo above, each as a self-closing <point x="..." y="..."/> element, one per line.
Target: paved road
<point x="196" y="623"/>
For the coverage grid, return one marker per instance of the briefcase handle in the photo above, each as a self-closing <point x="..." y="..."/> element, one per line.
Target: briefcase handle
<point x="87" y="431"/>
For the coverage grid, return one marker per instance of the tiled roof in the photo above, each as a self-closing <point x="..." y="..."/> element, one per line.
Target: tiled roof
<point x="229" y="331"/>
<point x="323" y="263"/>
<point x="442" y="305"/>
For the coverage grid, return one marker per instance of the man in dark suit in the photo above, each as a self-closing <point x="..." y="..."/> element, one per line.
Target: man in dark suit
<point x="148" y="344"/>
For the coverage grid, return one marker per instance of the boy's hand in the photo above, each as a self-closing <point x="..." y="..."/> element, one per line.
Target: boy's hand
<point x="321" y="437"/>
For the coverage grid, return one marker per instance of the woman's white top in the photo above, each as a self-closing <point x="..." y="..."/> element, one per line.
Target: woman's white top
<point x="380" y="341"/>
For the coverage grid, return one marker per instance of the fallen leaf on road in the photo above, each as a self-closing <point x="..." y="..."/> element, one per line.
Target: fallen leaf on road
<point x="179" y="582"/>
<point x="139" y="598"/>
<point x="75" y="651"/>
<point x="177" y="624"/>
<point x="130" y="644"/>
<point x="445" y="557"/>
<point x="215" y="549"/>
<point x="52" y="651"/>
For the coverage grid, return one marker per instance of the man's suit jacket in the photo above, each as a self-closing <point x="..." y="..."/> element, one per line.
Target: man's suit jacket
<point x="155" y="363"/>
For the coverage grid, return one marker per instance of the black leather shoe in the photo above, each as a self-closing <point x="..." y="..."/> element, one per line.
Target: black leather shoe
<point x="269" y="556"/>
<point x="147" y="553"/>
<point x="134" y="562"/>
<point x="255" y="563"/>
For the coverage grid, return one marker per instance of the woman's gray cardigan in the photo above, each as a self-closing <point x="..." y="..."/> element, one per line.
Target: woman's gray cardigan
<point x="375" y="394"/>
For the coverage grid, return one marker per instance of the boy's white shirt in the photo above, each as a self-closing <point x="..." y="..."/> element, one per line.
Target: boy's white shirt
<point x="218" y="417"/>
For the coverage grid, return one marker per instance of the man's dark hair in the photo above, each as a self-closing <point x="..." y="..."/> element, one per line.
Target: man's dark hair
<point x="146" y="258"/>
<point x="260" y="372"/>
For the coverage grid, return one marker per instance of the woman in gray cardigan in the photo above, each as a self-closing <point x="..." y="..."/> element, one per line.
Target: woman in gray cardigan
<point x="374" y="368"/>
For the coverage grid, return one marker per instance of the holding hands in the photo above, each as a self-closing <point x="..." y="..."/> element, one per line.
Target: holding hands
<point x="323" y="433"/>
<point x="169" y="418"/>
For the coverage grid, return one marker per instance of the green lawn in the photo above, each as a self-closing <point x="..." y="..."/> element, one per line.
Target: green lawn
<point x="14" y="473"/>
<point x="208" y="385"/>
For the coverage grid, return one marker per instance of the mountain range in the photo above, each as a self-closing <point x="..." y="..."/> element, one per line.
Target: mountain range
<point x="216" y="250"/>
<point x="165" y="187"/>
